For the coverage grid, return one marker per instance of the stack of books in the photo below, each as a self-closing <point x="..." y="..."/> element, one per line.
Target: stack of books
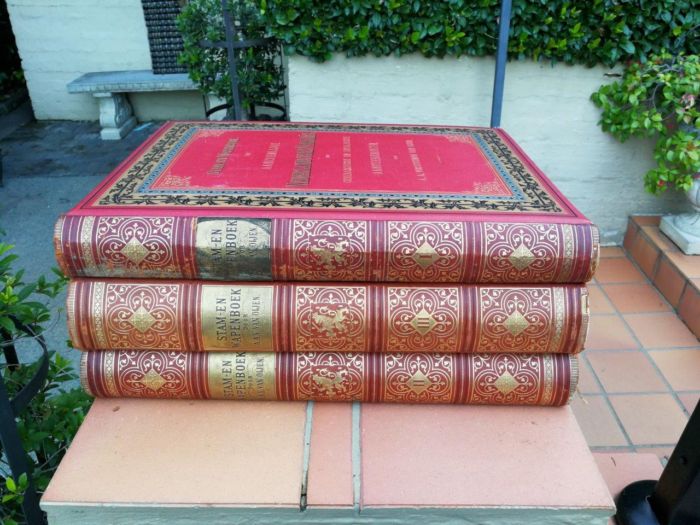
<point x="328" y="262"/>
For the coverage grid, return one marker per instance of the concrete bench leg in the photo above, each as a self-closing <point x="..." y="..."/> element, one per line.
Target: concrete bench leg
<point x="116" y="116"/>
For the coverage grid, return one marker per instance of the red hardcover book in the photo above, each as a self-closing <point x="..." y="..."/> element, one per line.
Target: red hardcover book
<point x="328" y="202"/>
<point x="348" y="317"/>
<point x="496" y="379"/>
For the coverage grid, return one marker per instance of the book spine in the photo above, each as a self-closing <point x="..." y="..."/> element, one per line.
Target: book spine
<point x="304" y="317"/>
<point x="497" y="379"/>
<point x="235" y="249"/>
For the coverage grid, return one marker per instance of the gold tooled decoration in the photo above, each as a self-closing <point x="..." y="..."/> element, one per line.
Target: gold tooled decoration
<point x="331" y="383"/>
<point x="108" y="373"/>
<point x="569" y="246"/>
<point x="152" y="380"/>
<point x="83" y="373"/>
<point x="142" y="319"/>
<point x="521" y="257"/>
<point x="419" y="382"/>
<point x="548" y="369"/>
<point x="331" y="256"/>
<point x="559" y="298"/>
<point x="97" y="314"/>
<point x="134" y="251"/>
<point x="423" y="322"/>
<point x="425" y="255"/>
<point x="332" y="325"/>
<point x="573" y="382"/>
<point x="516" y="323"/>
<point x="86" y="227"/>
<point x="506" y="383"/>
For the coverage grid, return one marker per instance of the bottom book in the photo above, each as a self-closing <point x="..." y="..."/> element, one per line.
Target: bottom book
<point x="496" y="379"/>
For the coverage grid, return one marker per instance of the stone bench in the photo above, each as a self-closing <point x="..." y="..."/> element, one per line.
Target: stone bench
<point x="110" y="88"/>
<point x="216" y="462"/>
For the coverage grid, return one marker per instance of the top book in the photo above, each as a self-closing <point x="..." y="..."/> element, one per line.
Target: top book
<point x="328" y="202"/>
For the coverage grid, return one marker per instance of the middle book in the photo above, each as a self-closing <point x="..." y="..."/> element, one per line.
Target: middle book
<point x="197" y="316"/>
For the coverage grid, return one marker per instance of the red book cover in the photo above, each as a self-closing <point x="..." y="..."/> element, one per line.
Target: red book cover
<point x="494" y="379"/>
<point x="201" y="316"/>
<point x="328" y="202"/>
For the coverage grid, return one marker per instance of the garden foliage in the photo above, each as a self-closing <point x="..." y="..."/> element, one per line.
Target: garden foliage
<point x="591" y="32"/>
<point x="259" y="68"/>
<point x="659" y="98"/>
<point x="47" y="425"/>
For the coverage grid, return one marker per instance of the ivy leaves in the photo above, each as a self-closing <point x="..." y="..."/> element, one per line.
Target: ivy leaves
<point x="598" y="31"/>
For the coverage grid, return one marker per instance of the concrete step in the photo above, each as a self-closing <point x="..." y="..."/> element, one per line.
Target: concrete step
<point x="154" y="462"/>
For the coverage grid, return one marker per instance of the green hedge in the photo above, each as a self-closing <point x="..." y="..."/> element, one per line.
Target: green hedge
<point x="584" y="32"/>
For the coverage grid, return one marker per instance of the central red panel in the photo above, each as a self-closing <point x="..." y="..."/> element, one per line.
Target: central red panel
<point x="332" y="161"/>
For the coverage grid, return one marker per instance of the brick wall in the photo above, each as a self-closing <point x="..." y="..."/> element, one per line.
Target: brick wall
<point x="546" y="109"/>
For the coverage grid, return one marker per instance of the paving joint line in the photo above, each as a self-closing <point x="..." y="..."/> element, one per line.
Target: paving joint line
<point x="641" y="347"/>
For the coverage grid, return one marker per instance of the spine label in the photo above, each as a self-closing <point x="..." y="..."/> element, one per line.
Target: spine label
<point x="242" y="376"/>
<point x="237" y="318"/>
<point x="233" y="249"/>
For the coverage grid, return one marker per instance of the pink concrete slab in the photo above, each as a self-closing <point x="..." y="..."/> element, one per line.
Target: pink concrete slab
<point x="167" y="452"/>
<point x="477" y="456"/>
<point x="619" y="470"/>
<point x="330" y="460"/>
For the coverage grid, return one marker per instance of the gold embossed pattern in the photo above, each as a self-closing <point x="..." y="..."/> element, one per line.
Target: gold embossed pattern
<point x="425" y="251"/>
<point x="526" y="253"/>
<point x="140" y="316"/>
<point x="422" y="318"/>
<point x="330" y="318"/>
<point x="518" y="319"/>
<point x="126" y="245"/>
<point x="330" y="376"/>
<point x="323" y="250"/>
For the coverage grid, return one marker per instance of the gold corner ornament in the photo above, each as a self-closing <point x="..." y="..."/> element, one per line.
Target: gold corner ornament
<point x="135" y="251"/>
<point x="516" y="323"/>
<point x="521" y="257"/>
<point x="142" y="319"/>
<point x="425" y="255"/>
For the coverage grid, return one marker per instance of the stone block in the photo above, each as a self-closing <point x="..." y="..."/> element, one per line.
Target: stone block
<point x="158" y="461"/>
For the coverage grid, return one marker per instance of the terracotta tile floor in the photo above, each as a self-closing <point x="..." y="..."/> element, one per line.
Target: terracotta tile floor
<point x="640" y="372"/>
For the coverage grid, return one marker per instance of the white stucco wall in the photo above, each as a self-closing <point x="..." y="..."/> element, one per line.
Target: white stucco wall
<point x="546" y="109"/>
<point x="59" y="40"/>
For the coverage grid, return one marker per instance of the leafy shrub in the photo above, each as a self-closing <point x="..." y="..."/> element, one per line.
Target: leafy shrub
<point x="46" y="426"/>
<point x="659" y="98"/>
<point x="592" y="32"/>
<point x="259" y="68"/>
<point x="49" y="422"/>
